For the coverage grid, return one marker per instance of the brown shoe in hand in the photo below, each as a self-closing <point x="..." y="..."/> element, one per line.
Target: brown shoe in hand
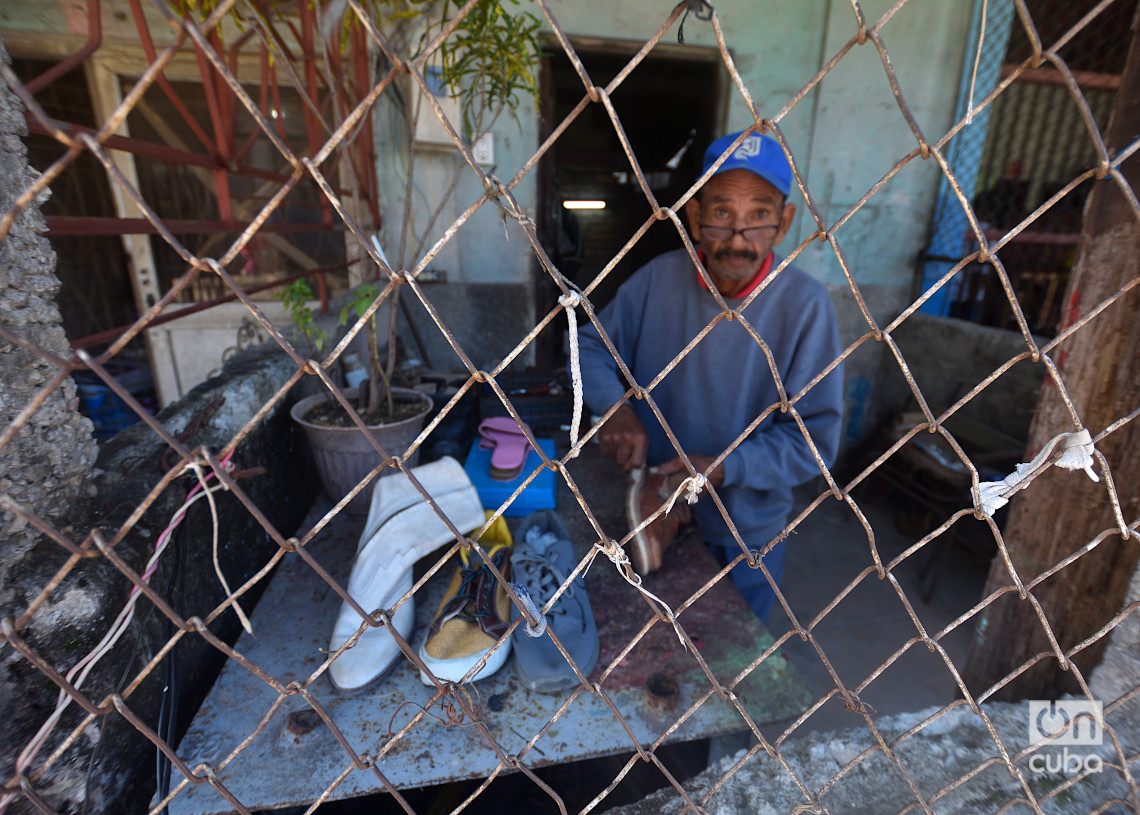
<point x="647" y="492"/>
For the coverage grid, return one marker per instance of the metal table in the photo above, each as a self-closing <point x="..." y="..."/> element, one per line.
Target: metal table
<point x="295" y="758"/>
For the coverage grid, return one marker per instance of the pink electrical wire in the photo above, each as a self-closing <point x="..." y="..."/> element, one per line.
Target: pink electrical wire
<point x="119" y="627"/>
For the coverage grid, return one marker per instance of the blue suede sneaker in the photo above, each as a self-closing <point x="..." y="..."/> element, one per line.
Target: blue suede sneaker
<point x="542" y="560"/>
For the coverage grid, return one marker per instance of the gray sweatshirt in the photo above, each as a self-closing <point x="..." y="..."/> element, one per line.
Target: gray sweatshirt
<point x="725" y="382"/>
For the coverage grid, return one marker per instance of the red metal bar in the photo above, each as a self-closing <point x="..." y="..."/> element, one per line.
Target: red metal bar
<point x="343" y="99"/>
<point x="210" y="91"/>
<point x="1086" y="80"/>
<point x="221" y="108"/>
<point x="59" y="225"/>
<point x="262" y="102"/>
<point x="126" y="144"/>
<point x="306" y="38"/>
<point x="175" y="99"/>
<point x="233" y="50"/>
<point x="322" y="289"/>
<point x="365" y="142"/>
<point x="312" y="131"/>
<point x="161" y="151"/>
<point x="94" y="40"/>
<point x="311" y="107"/>
<point x="277" y="102"/>
<point x="240" y="153"/>
<point x="213" y="104"/>
<point x="228" y="102"/>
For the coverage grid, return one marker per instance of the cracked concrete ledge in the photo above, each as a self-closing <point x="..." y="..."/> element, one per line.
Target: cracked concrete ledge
<point x="937" y="757"/>
<point x="953" y="757"/>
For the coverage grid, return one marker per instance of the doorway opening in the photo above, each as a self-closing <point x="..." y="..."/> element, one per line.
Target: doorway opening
<point x="669" y="108"/>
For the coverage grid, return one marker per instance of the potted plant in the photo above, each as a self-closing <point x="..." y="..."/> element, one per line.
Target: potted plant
<point x="486" y="62"/>
<point x="394" y="416"/>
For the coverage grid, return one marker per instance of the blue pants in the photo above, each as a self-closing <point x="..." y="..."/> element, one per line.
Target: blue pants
<point x="751" y="582"/>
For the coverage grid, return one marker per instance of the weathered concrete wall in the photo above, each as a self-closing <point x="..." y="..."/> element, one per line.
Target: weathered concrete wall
<point x="858" y="135"/>
<point x="1119" y="672"/>
<point x="946" y="356"/>
<point x="47" y="468"/>
<point x="111" y="767"/>
<point x="46" y="465"/>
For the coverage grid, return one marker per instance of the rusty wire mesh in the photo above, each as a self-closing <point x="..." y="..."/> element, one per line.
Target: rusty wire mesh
<point x="49" y="747"/>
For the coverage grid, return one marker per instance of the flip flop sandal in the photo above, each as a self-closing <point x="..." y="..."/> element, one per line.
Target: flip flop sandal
<point x="508" y="442"/>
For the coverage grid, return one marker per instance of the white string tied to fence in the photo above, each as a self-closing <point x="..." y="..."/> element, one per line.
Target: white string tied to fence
<point x="242" y="618"/>
<point x="570" y="302"/>
<point x="1077" y="449"/>
<point x="618" y="557"/>
<point x="692" y="487"/>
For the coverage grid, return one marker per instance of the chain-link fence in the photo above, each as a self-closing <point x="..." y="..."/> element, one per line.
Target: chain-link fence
<point x="66" y="731"/>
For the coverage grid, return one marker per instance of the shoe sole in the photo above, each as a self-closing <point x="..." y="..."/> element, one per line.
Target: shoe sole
<point x="640" y="548"/>
<point x="367" y="686"/>
<point x="453" y="670"/>
<point x="375" y="646"/>
<point x="392" y="661"/>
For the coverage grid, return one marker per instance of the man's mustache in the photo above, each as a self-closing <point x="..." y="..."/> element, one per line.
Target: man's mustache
<point x="742" y="254"/>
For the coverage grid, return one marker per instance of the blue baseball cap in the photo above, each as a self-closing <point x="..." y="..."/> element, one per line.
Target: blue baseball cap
<point x="759" y="154"/>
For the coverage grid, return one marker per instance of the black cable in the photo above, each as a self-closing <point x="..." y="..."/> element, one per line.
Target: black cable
<point x="701" y="8"/>
<point x="168" y="711"/>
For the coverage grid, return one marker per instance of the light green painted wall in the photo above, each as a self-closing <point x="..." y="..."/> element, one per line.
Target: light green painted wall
<point x="860" y="134"/>
<point x="845" y="135"/>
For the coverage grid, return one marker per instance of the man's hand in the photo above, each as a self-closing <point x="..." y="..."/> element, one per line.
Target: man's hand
<point x="700" y="464"/>
<point x="623" y="439"/>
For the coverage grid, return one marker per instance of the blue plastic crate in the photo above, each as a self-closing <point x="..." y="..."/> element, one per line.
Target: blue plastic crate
<point x="492" y="492"/>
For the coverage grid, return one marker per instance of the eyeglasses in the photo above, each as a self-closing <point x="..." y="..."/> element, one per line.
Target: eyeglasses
<point x="752" y="234"/>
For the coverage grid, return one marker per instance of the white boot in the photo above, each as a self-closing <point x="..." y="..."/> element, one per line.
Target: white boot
<point x="399" y="532"/>
<point x="392" y="493"/>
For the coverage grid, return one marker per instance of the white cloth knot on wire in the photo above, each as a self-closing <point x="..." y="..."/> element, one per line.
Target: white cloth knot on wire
<point x="1078" y="454"/>
<point x="992" y="495"/>
<point x="532" y="609"/>
<point x="570" y="302"/>
<point x="1077" y="450"/>
<point x="692" y="487"/>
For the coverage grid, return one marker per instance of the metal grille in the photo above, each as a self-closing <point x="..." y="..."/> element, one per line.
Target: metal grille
<point x="56" y="738"/>
<point x="1035" y="143"/>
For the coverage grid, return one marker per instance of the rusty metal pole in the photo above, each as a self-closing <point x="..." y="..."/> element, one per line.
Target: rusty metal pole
<point x="1100" y="369"/>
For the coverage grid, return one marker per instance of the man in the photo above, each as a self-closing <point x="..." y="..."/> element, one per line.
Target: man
<point x="725" y="382"/>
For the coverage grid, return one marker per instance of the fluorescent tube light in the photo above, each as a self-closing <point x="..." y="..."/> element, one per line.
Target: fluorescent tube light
<point x="581" y="204"/>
